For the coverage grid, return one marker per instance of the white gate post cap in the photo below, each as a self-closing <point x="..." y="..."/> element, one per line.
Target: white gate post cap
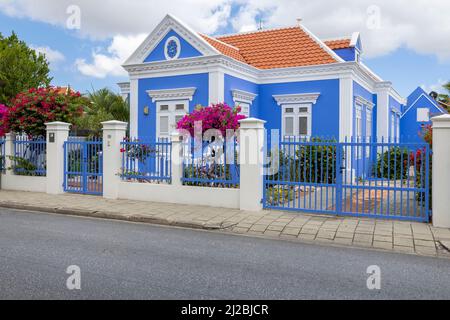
<point x="252" y="123"/>
<point x="114" y="125"/>
<point x="57" y="126"/>
<point x="442" y="121"/>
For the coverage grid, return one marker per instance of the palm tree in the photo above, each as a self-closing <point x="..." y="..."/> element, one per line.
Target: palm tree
<point x="105" y="105"/>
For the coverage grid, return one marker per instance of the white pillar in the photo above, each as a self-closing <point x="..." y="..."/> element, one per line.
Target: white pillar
<point x="113" y="134"/>
<point x="345" y="107"/>
<point x="134" y="108"/>
<point x="216" y="87"/>
<point x="177" y="159"/>
<point x="382" y="91"/>
<point x="9" y="151"/>
<point x="57" y="134"/>
<point x="251" y="148"/>
<point x="441" y="171"/>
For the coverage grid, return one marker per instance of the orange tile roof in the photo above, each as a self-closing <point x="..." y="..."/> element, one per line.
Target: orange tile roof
<point x="224" y="48"/>
<point x="276" y="48"/>
<point x="338" y="43"/>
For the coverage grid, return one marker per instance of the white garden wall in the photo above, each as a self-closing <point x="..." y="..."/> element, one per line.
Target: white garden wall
<point x="203" y="196"/>
<point x="24" y="183"/>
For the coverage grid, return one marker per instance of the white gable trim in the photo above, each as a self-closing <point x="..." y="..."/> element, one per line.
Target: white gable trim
<point x="172" y="94"/>
<point x="243" y="96"/>
<point x="296" y="98"/>
<point x="322" y="44"/>
<point x="163" y="28"/>
<point x="354" y="40"/>
<point x="422" y="95"/>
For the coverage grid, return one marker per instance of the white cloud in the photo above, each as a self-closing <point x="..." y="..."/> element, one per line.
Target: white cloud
<point x="52" y="56"/>
<point x="109" y="63"/>
<point x="420" y="25"/>
<point x="105" y="19"/>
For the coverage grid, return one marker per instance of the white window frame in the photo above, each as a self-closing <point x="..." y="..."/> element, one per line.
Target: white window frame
<point x="423" y="115"/>
<point x="243" y="99"/>
<point x="172" y="113"/>
<point x="244" y="105"/>
<point x="296" y="115"/>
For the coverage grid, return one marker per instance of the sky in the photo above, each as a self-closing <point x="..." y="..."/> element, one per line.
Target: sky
<point x="86" y="41"/>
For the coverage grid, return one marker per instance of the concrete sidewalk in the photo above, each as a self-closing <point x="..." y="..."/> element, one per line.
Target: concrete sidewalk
<point x="396" y="236"/>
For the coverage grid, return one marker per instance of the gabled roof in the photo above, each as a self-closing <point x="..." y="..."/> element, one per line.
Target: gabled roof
<point x="276" y="48"/>
<point x="415" y="96"/>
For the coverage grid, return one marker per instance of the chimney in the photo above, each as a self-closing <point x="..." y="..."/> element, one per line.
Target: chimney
<point x="299" y="21"/>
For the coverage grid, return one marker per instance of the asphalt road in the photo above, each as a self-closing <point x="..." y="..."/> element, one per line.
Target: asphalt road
<point x="135" y="261"/>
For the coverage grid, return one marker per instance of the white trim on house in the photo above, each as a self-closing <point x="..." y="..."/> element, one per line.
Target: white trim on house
<point x="364" y="102"/>
<point x="354" y="40"/>
<point x="413" y="104"/>
<point x="243" y="96"/>
<point x="134" y="107"/>
<point x="346" y="107"/>
<point x="172" y="94"/>
<point x="309" y="98"/>
<point x="216" y="80"/>
<point x="161" y="30"/>
<point x="124" y="87"/>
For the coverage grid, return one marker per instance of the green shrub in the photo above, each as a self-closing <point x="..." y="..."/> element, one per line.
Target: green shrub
<point x="23" y="167"/>
<point x="308" y="163"/>
<point x="393" y="164"/>
<point x="279" y="195"/>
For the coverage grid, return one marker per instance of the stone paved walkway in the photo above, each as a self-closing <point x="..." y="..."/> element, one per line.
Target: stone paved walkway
<point x="396" y="236"/>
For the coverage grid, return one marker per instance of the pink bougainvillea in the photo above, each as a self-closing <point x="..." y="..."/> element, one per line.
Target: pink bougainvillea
<point x="217" y="116"/>
<point x="30" y="110"/>
<point x="3" y="118"/>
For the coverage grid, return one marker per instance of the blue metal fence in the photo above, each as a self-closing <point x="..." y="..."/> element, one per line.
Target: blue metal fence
<point x="211" y="164"/>
<point x="2" y="155"/>
<point x="146" y="161"/>
<point x="30" y="156"/>
<point x="357" y="177"/>
<point x="83" y="166"/>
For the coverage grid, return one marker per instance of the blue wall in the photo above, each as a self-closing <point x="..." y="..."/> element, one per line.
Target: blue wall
<point x="348" y="54"/>
<point x="232" y="83"/>
<point x="147" y="124"/>
<point x="187" y="51"/>
<point x="325" y="113"/>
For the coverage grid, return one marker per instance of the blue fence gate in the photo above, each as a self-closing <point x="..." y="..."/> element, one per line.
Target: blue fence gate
<point x="359" y="178"/>
<point x="83" y="166"/>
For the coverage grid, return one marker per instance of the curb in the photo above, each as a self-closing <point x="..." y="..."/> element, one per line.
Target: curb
<point x="115" y="216"/>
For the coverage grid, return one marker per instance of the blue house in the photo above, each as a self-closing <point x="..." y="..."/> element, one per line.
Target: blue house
<point x="420" y="108"/>
<point x="298" y="83"/>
